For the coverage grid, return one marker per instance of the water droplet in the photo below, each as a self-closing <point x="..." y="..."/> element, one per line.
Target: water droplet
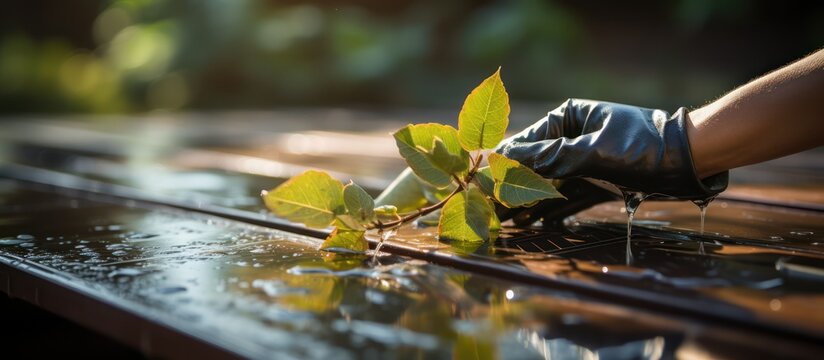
<point x="119" y="253"/>
<point x="301" y="270"/>
<point x="242" y="263"/>
<point x="776" y="237"/>
<point x="27" y="245"/>
<point x="272" y="287"/>
<point x="25" y="237"/>
<point x="775" y="304"/>
<point x="604" y="269"/>
<point x="138" y="236"/>
<point x="375" y="297"/>
<point x="801" y="233"/>
<point x="11" y="241"/>
<point x="166" y="290"/>
<point x="125" y="272"/>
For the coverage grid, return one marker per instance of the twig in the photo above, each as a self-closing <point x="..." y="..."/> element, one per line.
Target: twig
<point x="462" y="185"/>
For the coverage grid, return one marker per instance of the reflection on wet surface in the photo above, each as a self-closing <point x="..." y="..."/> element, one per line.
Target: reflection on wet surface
<point x="273" y="295"/>
<point x="763" y="225"/>
<point x="741" y="277"/>
<point x="271" y="292"/>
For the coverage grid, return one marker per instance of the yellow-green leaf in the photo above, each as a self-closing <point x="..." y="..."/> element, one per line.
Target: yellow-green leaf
<point x="313" y="198"/>
<point x="466" y="217"/>
<point x="341" y="239"/>
<point x="359" y="205"/>
<point x="465" y="247"/>
<point x="416" y="143"/>
<point x="484" y="180"/>
<point x="484" y="117"/>
<point x="446" y="161"/>
<point x="517" y="185"/>
<point x="348" y="222"/>
<point x="494" y="222"/>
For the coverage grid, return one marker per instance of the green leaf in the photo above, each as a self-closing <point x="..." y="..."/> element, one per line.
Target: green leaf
<point x="466" y="217"/>
<point x="484" y="117"/>
<point x="466" y="247"/>
<point x="445" y="160"/>
<point x="359" y="205"/>
<point x="313" y="198"/>
<point x="517" y="185"/>
<point x="341" y="239"/>
<point x="405" y="193"/>
<point x="494" y="222"/>
<point x="348" y="222"/>
<point x="416" y="144"/>
<point x="434" y="195"/>
<point x="484" y="180"/>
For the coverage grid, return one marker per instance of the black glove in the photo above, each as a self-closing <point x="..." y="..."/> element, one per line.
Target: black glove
<point x="634" y="148"/>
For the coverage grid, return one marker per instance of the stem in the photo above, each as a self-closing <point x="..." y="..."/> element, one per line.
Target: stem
<point x="420" y="212"/>
<point x="462" y="185"/>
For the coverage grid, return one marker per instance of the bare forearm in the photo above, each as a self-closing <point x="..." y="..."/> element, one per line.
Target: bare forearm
<point x="775" y="115"/>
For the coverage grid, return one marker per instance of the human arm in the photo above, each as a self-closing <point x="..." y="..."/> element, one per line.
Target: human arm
<point x="775" y="115"/>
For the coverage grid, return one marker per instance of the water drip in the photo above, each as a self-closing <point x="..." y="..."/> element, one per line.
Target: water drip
<point x="702" y="207"/>
<point x="632" y="200"/>
<point x="385" y="234"/>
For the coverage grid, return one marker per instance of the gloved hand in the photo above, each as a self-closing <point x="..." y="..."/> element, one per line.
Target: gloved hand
<point x="634" y="148"/>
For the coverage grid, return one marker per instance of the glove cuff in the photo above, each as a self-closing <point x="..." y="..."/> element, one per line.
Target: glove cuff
<point x="690" y="186"/>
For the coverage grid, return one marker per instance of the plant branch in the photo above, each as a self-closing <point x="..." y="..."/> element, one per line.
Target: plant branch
<point x="462" y="185"/>
<point x="420" y="212"/>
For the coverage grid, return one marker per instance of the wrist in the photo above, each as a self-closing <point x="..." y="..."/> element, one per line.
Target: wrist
<point x="700" y="142"/>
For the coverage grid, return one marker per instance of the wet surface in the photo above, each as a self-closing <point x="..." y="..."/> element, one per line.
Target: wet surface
<point x="273" y="295"/>
<point x="725" y="220"/>
<point x="274" y="291"/>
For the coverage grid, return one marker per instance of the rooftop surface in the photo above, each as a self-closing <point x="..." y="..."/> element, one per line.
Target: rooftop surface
<point x="150" y="230"/>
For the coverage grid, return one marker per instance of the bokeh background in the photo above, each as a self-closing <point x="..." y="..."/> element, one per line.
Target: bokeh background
<point x="132" y="56"/>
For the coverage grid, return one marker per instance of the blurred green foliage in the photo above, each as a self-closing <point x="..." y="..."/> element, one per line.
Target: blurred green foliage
<point x="138" y="55"/>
